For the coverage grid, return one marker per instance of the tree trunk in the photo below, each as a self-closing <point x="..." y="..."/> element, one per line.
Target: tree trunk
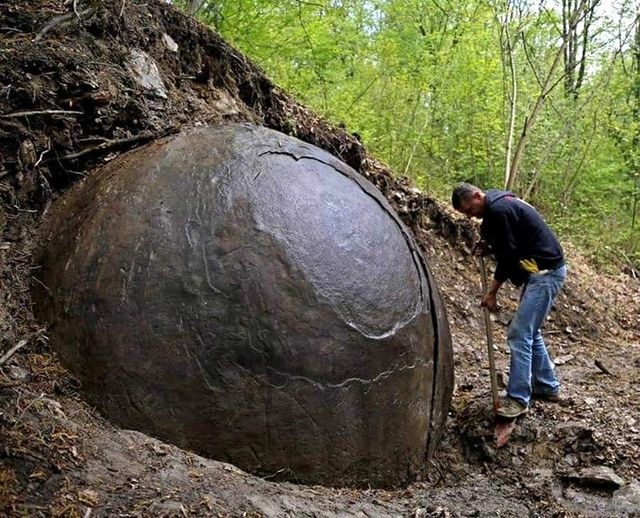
<point x="514" y="100"/>
<point x="194" y="5"/>
<point x="577" y="37"/>
<point x="635" y="161"/>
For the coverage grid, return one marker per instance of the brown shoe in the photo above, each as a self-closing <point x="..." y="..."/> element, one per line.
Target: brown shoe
<point x="510" y="409"/>
<point x="551" y="397"/>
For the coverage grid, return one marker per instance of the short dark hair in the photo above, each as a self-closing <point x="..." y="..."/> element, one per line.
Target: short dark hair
<point x="462" y="192"/>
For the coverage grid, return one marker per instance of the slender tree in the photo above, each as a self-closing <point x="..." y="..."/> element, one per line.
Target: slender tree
<point x="508" y="56"/>
<point x="547" y="86"/>
<point x="635" y="138"/>
<point x="193" y="6"/>
<point x="578" y="38"/>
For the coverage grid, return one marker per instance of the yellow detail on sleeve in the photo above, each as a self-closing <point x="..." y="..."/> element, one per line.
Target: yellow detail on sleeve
<point x="529" y="265"/>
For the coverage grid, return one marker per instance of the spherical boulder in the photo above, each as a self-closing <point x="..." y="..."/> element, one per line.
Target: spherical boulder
<point x="248" y="296"/>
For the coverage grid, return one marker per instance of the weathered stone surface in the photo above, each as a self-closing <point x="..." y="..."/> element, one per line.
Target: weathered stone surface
<point x="169" y="42"/>
<point x="626" y="501"/>
<point x="146" y="73"/>
<point x="597" y="476"/>
<point x="246" y="295"/>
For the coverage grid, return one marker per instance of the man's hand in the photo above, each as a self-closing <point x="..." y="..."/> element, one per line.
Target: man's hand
<point x="481" y="248"/>
<point x="489" y="301"/>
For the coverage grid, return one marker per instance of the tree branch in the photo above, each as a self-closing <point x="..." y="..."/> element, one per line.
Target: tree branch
<point x="109" y="144"/>
<point x="62" y="20"/>
<point x="12" y="351"/>
<point x="40" y="112"/>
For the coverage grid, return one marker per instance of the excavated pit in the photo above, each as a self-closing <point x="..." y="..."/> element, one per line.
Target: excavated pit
<point x="243" y="294"/>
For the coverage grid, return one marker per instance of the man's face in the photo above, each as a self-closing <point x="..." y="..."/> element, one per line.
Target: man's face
<point x="473" y="206"/>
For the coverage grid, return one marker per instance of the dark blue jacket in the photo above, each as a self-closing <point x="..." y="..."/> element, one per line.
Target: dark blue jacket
<point x="515" y="231"/>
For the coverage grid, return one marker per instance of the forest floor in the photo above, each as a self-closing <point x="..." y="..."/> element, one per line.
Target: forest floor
<point x="59" y="457"/>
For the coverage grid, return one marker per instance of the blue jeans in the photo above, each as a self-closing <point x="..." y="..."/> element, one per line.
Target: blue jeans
<point x="531" y="369"/>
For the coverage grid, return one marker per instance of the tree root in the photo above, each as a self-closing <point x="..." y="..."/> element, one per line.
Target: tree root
<point x="62" y="21"/>
<point x="109" y="144"/>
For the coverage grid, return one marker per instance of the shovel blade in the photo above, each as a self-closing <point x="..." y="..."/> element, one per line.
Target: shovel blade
<point x="503" y="431"/>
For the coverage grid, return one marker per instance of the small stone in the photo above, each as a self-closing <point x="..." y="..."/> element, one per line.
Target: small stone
<point x="53" y="405"/>
<point x="146" y="73"/>
<point x="17" y="373"/>
<point x="27" y="153"/>
<point x="590" y="401"/>
<point x="597" y="476"/>
<point x="159" y="450"/>
<point x="167" y="508"/>
<point x="542" y="473"/>
<point x="504" y="319"/>
<point x="561" y="360"/>
<point x="169" y="42"/>
<point x="571" y="460"/>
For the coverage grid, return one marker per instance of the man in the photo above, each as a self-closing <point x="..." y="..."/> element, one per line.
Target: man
<point x="529" y="255"/>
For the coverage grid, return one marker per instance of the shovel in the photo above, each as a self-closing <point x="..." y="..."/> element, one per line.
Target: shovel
<point x="504" y="427"/>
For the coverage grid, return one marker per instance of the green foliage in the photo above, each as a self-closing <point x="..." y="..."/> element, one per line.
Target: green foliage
<point x="426" y="85"/>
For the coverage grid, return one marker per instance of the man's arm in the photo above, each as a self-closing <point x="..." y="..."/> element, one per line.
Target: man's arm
<point x="489" y="299"/>
<point x="504" y="246"/>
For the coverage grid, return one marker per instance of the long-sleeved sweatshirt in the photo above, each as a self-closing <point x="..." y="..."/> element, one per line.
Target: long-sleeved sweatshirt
<point x="516" y="231"/>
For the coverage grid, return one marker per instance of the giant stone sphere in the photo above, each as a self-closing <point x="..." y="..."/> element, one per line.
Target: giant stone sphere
<point x="248" y="296"/>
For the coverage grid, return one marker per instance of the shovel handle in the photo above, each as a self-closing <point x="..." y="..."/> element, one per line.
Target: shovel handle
<point x="487" y="325"/>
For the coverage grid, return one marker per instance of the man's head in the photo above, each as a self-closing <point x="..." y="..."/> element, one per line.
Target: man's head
<point x="469" y="200"/>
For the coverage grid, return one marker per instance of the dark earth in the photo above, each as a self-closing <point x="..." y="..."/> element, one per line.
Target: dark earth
<point x="78" y="90"/>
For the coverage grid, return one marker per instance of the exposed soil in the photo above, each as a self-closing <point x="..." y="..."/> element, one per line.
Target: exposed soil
<point x="59" y="458"/>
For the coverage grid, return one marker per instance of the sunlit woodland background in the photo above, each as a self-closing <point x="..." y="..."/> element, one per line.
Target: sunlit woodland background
<point x="539" y="96"/>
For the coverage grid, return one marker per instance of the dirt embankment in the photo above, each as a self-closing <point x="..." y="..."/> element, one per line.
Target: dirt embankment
<point x="78" y="89"/>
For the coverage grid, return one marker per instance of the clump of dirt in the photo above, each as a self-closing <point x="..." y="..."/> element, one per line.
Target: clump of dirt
<point x="84" y="81"/>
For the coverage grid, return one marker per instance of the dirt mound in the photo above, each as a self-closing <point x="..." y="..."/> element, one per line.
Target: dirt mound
<point x="76" y="90"/>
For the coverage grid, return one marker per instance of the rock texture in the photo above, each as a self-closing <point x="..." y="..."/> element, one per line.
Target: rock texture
<point x="246" y="295"/>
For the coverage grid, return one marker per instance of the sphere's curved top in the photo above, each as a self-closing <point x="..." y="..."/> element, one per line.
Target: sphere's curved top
<point x="336" y="228"/>
<point x="349" y="245"/>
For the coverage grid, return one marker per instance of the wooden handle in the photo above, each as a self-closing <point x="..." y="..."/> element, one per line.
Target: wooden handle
<point x="487" y="325"/>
